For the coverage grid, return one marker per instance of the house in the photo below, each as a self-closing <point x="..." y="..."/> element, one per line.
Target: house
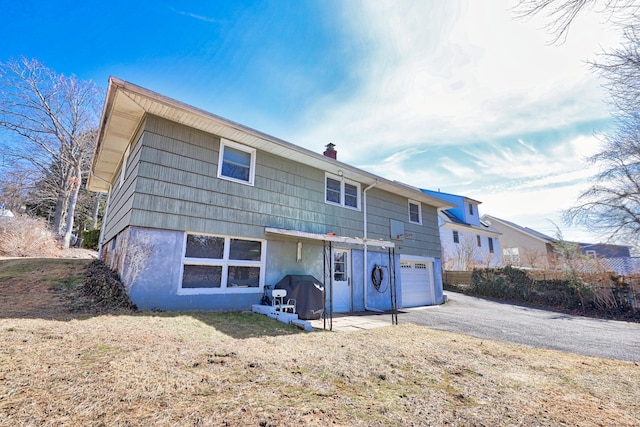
<point x="202" y="213"/>
<point x="467" y="242"/>
<point x="527" y="248"/>
<point x="521" y="246"/>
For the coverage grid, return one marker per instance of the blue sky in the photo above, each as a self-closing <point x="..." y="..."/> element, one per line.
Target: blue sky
<point x="454" y="95"/>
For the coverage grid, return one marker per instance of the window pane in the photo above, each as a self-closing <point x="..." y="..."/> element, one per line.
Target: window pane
<point x="333" y="190"/>
<point x="199" y="246"/>
<point x="243" y="277"/>
<point x="456" y="238"/>
<point x="339" y="266"/>
<point x="351" y="195"/>
<point x="414" y="215"/>
<point x="202" y="276"/>
<point x="246" y="250"/>
<point x="236" y="164"/>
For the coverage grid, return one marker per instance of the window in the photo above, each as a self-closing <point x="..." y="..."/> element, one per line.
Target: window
<point x="342" y="192"/>
<point x="236" y="162"/>
<point x="490" y="244"/>
<point x="590" y="252"/>
<point x="123" y="167"/>
<point x="222" y="264"/>
<point x="456" y="236"/>
<point x="415" y="212"/>
<point x="470" y="209"/>
<point x="479" y="240"/>
<point x="511" y="255"/>
<point x="340" y="266"/>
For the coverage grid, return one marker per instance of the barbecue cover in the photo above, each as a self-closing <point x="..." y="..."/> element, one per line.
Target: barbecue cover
<point x="307" y="291"/>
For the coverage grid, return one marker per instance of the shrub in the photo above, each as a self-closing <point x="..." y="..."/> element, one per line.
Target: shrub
<point x="25" y="236"/>
<point x="90" y="239"/>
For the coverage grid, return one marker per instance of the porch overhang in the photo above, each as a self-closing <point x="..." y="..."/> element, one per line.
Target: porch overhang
<point x="330" y="238"/>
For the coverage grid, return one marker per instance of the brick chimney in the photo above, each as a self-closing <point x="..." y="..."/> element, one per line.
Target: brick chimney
<point x="330" y="152"/>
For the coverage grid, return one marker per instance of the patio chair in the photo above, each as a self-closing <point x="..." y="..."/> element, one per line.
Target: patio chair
<point x="277" y="300"/>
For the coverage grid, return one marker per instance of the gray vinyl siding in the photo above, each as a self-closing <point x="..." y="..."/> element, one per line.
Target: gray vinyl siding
<point x="176" y="188"/>
<point x="122" y="197"/>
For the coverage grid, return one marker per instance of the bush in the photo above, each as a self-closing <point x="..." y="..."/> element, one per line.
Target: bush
<point x="90" y="239"/>
<point x="25" y="236"/>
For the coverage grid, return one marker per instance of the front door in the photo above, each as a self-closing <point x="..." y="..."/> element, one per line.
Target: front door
<point x="341" y="281"/>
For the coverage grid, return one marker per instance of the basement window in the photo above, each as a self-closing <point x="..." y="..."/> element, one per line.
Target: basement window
<point x="217" y="264"/>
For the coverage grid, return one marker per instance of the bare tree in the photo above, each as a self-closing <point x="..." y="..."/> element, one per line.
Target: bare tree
<point x="611" y="204"/>
<point x="466" y="255"/>
<point x="14" y="190"/>
<point x="53" y="119"/>
<point x="561" y="14"/>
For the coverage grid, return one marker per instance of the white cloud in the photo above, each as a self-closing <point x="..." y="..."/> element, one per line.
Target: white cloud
<point x="442" y="87"/>
<point x="445" y="72"/>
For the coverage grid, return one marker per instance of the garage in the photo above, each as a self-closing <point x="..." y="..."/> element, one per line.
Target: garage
<point x="417" y="281"/>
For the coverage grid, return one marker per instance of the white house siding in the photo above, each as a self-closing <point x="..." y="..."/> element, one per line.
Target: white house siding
<point x="454" y="254"/>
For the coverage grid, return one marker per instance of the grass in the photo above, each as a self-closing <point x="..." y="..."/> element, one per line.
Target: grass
<point x="238" y="369"/>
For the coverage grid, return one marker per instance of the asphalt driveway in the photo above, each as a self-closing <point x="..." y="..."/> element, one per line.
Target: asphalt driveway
<point x="530" y="326"/>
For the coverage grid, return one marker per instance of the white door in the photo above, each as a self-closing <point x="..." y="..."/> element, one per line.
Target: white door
<point x="417" y="281"/>
<point x="341" y="281"/>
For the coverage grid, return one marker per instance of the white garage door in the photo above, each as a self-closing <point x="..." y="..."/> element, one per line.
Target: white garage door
<point x="417" y="282"/>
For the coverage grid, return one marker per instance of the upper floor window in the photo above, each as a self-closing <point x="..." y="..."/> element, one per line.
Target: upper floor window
<point x="479" y="240"/>
<point x="456" y="236"/>
<point x="342" y="192"/>
<point x="415" y="212"/>
<point x="236" y="162"/>
<point x="491" y="244"/>
<point x="470" y="209"/>
<point x="123" y="167"/>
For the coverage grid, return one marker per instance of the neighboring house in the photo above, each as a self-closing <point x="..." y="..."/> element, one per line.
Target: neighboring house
<point x="466" y="241"/>
<point x="202" y="213"/>
<point x="521" y="246"/>
<point x="527" y="248"/>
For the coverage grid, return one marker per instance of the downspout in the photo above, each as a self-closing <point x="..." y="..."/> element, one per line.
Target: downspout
<point x="364" y="277"/>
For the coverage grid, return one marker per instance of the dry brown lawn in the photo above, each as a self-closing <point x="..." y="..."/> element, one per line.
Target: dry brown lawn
<point x="62" y="367"/>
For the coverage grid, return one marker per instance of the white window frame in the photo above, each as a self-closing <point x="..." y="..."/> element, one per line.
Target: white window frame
<point x="419" y="205"/>
<point x="511" y="255"/>
<point x="455" y="236"/>
<point x="343" y="181"/>
<point x="225" y="263"/>
<point x="252" y="167"/>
